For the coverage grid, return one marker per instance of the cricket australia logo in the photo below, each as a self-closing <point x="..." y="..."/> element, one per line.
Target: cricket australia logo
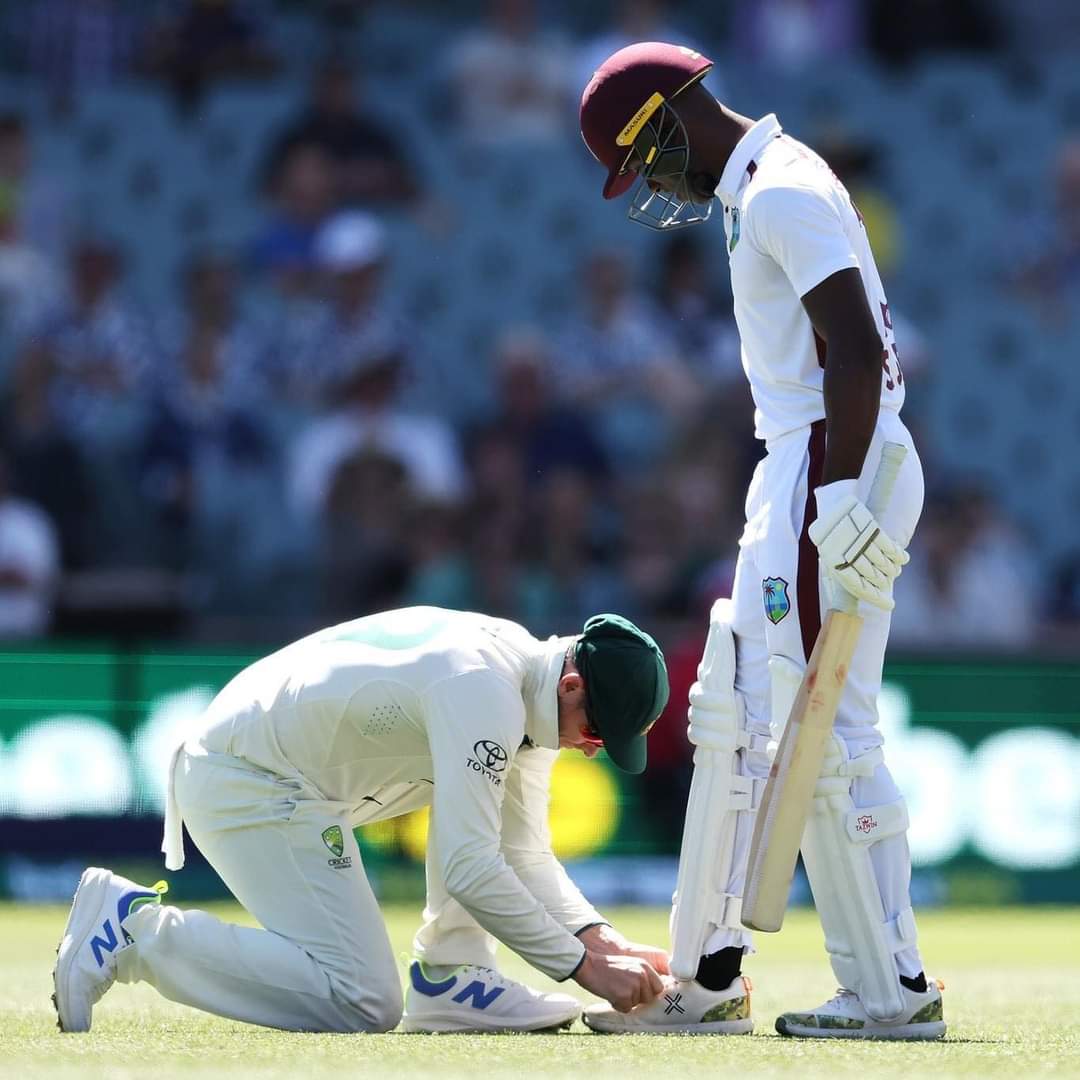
<point x="774" y="591"/>
<point x="488" y="758"/>
<point x="335" y="842"/>
<point x="333" y="839"/>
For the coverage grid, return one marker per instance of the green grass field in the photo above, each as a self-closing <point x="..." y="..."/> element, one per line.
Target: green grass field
<point x="1012" y="1002"/>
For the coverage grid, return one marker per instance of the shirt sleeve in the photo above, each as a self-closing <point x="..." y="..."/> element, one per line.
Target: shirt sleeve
<point x="476" y="722"/>
<point x="526" y="841"/>
<point x="802" y="231"/>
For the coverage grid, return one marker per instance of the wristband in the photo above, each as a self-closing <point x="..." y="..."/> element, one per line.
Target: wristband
<point x="830" y="496"/>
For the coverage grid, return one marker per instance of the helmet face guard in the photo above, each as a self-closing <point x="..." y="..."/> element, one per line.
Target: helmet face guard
<point x="661" y="156"/>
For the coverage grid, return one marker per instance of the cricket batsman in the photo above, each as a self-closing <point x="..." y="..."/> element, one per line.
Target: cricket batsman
<point x="819" y="350"/>
<point x="359" y="723"/>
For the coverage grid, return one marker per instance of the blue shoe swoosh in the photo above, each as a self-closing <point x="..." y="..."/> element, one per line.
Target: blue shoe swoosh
<point x="123" y="906"/>
<point x="426" y="986"/>
<point x="130" y="900"/>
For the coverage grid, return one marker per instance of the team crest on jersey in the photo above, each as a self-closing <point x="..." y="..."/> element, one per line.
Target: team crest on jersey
<point x="334" y="840"/>
<point x="734" y="229"/>
<point x="777" y="603"/>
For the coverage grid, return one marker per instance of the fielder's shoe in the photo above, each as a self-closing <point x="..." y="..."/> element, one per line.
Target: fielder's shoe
<point x="477" y="999"/>
<point x="86" y="957"/>
<point x="843" y="1017"/>
<point x="685" y="1008"/>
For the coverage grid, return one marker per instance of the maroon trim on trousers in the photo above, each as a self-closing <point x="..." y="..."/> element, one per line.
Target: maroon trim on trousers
<point x="806" y="574"/>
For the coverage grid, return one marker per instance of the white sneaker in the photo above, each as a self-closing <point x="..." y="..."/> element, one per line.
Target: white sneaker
<point x="843" y="1017"/>
<point x="470" y="998"/>
<point x="86" y="956"/>
<point x="685" y="1008"/>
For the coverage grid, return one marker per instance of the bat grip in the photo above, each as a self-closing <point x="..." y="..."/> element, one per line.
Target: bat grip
<point x="892" y="457"/>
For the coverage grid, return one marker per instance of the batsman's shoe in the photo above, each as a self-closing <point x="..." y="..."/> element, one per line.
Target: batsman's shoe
<point x="86" y="957"/>
<point x="684" y="1008"/>
<point x="843" y="1017"/>
<point x="477" y="999"/>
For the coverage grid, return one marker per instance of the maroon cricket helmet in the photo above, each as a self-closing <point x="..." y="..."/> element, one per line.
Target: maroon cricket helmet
<point x="624" y="92"/>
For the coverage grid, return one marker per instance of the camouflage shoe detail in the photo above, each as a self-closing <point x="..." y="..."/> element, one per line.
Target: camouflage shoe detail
<point x="817" y="1020"/>
<point x="732" y="1009"/>
<point x="932" y="1011"/>
<point x="824" y="1020"/>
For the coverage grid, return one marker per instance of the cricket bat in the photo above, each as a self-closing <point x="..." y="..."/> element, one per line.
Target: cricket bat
<point x="789" y="790"/>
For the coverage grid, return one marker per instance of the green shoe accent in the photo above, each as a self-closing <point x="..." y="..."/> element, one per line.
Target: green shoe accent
<point x="817" y="1020"/>
<point x="732" y="1009"/>
<point x="159" y="887"/>
<point x="826" y="1021"/>
<point x="437" y="972"/>
<point x="931" y="1012"/>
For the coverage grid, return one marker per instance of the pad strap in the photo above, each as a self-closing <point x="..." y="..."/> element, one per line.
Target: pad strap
<point x="901" y="931"/>
<point x="725" y="911"/>
<point x="837" y="773"/>
<point x="869" y="824"/>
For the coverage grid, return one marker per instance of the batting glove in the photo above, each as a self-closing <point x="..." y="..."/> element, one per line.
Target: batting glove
<point x="857" y="554"/>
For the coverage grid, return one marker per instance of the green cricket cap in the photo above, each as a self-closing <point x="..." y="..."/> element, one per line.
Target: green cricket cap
<point x="626" y="686"/>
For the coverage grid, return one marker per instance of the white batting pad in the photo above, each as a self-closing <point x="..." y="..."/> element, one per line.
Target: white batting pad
<point x="862" y="943"/>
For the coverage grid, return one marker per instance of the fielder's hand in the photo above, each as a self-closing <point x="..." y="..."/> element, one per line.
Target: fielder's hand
<point x="625" y="981"/>
<point x="607" y="941"/>
<point x="857" y="555"/>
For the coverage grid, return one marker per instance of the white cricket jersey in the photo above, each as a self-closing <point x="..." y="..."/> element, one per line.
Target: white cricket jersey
<point x="427" y="706"/>
<point x="790" y="224"/>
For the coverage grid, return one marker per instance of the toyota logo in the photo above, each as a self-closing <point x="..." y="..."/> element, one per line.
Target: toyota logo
<point x="490" y="754"/>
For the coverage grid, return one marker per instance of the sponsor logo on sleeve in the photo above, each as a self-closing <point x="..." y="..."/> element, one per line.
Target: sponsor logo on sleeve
<point x="489" y="759"/>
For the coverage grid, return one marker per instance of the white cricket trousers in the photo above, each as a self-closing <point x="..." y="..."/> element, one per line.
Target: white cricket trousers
<point x="323" y="962"/>
<point x="776" y="551"/>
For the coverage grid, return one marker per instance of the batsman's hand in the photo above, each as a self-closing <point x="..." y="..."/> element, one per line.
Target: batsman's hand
<point x="608" y="941"/>
<point x="857" y="554"/>
<point x="625" y="981"/>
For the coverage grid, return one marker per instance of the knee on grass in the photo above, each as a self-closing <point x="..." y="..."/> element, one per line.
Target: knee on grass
<point x="371" y="1010"/>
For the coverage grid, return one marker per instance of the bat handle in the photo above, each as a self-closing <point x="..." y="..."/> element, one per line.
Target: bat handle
<point x="892" y="457"/>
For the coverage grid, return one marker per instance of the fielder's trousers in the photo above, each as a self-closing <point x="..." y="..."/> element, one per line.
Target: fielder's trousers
<point x="323" y="961"/>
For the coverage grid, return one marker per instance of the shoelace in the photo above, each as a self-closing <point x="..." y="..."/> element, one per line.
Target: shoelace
<point x="841" y="993"/>
<point x="490" y="975"/>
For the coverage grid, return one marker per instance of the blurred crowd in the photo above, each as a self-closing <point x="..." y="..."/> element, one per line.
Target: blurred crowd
<point x="277" y="442"/>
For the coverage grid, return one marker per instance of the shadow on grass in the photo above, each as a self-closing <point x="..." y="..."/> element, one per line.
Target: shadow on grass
<point x="736" y="1040"/>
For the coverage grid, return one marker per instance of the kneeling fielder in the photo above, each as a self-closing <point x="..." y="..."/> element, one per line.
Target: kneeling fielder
<point x="820" y="355"/>
<point x="363" y="722"/>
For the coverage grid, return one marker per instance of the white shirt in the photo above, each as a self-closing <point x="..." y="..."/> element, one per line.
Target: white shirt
<point x="954" y="613"/>
<point x="511" y="89"/>
<point x="790" y="224"/>
<point x="29" y="546"/>
<point x="425" y="446"/>
<point x="425" y="706"/>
